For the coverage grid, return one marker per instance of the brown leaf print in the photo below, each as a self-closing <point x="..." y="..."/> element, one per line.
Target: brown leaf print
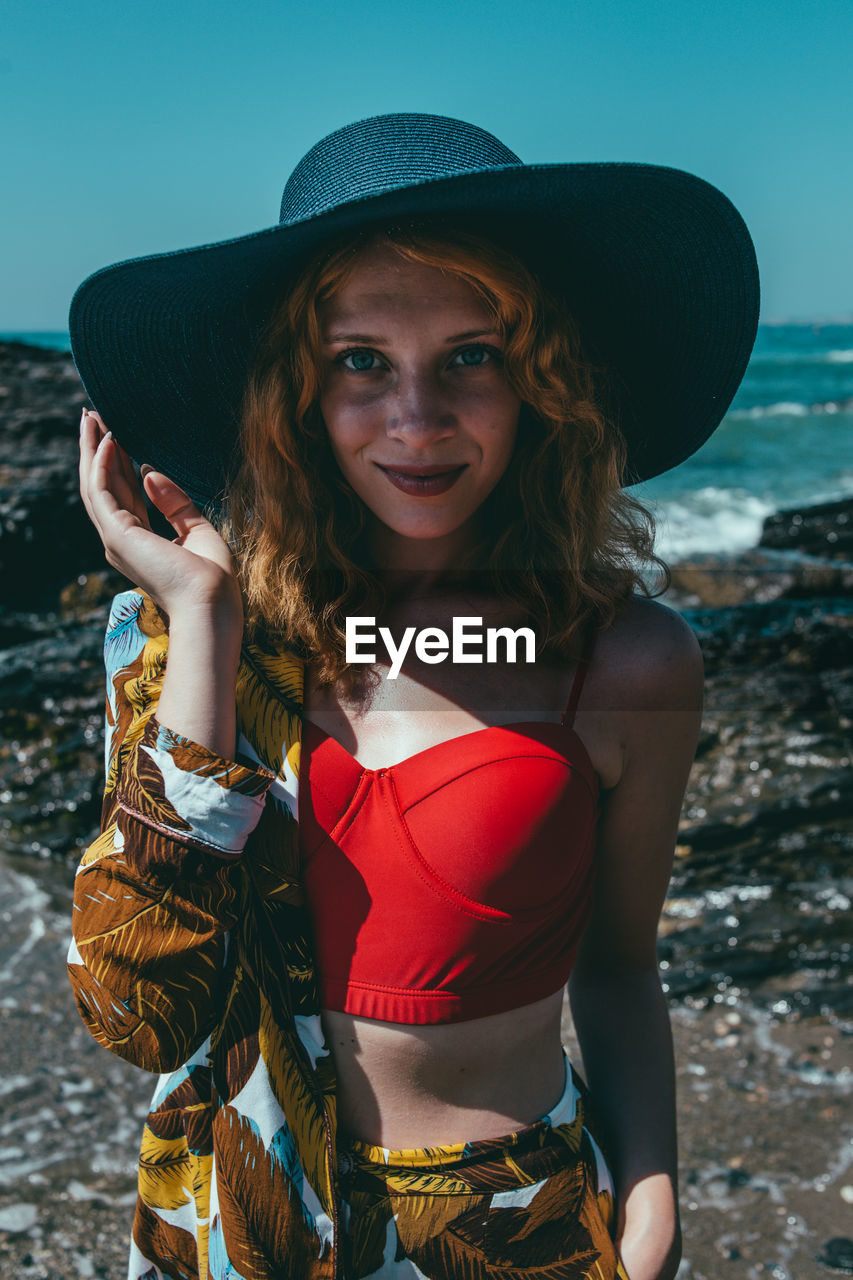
<point x="276" y="860"/>
<point x="235" y="1043"/>
<point x="547" y="1239"/>
<point x="153" y="975"/>
<point x="186" y="1110"/>
<point x="142" y="790"/>
<point x="121" y="725"/>
<point x="149" y="619"/>
<point x="420" y="1218"/>
<point x="172" y="1249"/>
<point x="265" y="1230"/>
<point x="363" y="1246"/>
<point x="198" y="760"/>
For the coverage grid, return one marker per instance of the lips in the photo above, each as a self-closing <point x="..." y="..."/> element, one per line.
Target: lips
<point x="424" y="480"/>
<point x="430" y="469"/>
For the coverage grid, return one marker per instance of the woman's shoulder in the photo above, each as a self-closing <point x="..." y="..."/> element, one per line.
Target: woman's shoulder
<point x="650" y="655"/>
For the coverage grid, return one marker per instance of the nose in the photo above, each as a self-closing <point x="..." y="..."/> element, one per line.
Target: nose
<point x="420" y="412"/>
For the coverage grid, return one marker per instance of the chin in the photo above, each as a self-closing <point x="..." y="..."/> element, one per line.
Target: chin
<point x="424" y="530"/>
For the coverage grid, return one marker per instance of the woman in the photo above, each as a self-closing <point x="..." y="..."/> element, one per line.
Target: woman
<point x="335" y="902"/>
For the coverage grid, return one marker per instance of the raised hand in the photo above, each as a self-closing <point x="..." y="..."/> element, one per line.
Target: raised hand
<point x="191" y="578"/>
<point x="195" y="572"/>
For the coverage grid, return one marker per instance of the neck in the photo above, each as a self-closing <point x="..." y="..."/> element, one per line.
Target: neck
<point x="422" y="564"/>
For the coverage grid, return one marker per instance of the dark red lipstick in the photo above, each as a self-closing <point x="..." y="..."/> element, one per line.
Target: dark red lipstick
<point x="422" y="479"/>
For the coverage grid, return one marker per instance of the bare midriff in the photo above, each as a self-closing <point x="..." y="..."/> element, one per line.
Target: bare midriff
<point x="405" y="1086"/>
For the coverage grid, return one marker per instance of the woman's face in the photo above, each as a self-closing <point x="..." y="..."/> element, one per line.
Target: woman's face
<point x="412" y="383"/>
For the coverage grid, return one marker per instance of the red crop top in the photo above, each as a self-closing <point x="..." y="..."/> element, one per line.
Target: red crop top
<point x="456" y="883"/>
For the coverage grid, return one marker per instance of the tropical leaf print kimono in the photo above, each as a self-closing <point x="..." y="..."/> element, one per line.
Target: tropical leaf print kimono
<point x="190" y="958"/>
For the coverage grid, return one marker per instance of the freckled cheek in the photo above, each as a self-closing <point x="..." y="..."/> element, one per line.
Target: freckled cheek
<point x="350" y="426"/>
<point x="492" y="407"/>
<point x="498" y="430"/>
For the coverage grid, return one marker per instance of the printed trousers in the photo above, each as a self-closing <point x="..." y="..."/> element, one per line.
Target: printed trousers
<point x="534" y="1203"/>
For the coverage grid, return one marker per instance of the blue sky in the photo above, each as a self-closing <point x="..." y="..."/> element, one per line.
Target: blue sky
<point x="134" y="127"/>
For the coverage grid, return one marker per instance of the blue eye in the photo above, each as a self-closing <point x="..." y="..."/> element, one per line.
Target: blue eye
<point x="362" y="361"/>
<point x="473" y="357"/>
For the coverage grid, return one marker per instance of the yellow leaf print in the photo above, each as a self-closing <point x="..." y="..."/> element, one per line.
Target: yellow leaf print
<point x="201" y="1169"/>
<point x="165" y="1171"/>
<point x="420" y="1182"/>
<point x="269" y="705"/>
<point x="101" y="846"/>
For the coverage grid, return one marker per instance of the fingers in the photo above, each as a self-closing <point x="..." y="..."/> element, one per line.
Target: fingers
<point x="90" y="436"/>
<point x="130" y="488"/>
<point x="109" y="487"/>
<point x="92" y="475"/>
<point x="168" y="497"/>
<point x="119" y="475"/>
<point x="196" y="564"/>
<point x="194" y="531"/>
<point x="105" y="485"/>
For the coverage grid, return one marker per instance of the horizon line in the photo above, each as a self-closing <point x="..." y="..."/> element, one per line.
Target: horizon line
<point x="770" y="321"/>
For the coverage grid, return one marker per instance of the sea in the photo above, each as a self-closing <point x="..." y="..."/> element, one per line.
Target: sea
<point x="786" y="441"/>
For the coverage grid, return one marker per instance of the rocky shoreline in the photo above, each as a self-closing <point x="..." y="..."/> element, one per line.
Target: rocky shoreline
<point x="755" y="939"/>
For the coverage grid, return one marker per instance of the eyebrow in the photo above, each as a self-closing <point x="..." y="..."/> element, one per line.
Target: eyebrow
<point x="373" y="340"/>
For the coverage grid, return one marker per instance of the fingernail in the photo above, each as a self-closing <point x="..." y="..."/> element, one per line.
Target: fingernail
<point x="145" y="468"/>
<point x="83" y="417"/>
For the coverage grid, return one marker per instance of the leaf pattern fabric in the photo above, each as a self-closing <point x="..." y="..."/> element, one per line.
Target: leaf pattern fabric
<point x="191" y="958"/>
<point x="536" y="1203"/>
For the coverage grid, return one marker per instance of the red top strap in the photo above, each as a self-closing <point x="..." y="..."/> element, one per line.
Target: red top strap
<point x="568" y="716"/>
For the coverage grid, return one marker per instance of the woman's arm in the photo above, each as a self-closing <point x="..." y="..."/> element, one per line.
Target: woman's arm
<point x="155" y="894"/>
<point x="617" y="1003"/>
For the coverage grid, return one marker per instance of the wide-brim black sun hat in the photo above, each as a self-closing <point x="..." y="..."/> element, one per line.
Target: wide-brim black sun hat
<point x="655" y="264"/>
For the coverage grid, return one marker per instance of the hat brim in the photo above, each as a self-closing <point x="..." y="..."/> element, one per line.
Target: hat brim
<point x="655" y="264"/>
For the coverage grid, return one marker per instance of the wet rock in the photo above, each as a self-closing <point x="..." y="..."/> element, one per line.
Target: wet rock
<point x="825" y="530"/>
<point x="18" y="1217"/>
<point x="838" y="1254"/>
<point x="802" y="553"/>
<point x="758" y="576"/>
<point x="756" y="904"/>
<point x="45" y="536"/>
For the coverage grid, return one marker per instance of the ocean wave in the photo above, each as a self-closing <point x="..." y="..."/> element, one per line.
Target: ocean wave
<point x="726" y="521"/>
<point x="793" y="409"/>
<point x="709" y="519"/>
<point x="763" y="359"/>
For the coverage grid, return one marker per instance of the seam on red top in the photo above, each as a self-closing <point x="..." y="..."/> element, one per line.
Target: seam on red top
<point x="437" y="993"/>
<point x="476" y="910"/>
<point x="352" y="810"/>
<point x="470" y="906"/>
<point x="484" y="764"/>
